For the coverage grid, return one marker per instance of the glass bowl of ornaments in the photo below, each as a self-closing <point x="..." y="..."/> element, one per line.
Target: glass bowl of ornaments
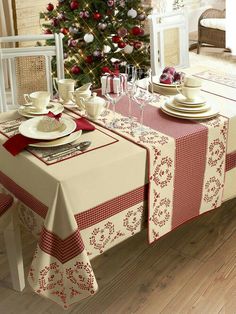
<point x="169" y="82"/>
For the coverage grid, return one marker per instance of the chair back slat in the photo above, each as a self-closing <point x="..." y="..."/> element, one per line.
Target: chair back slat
<point x="29" y="69"/>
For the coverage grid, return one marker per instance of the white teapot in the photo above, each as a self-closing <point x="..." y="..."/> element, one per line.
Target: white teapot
<point x="94" y="106"/>
<point x="81" y="92"/>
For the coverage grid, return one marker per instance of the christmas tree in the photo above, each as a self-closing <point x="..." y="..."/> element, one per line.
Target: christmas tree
<point x="99" y="36"/>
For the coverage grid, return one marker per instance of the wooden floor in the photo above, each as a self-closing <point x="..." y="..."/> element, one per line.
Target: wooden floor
<point x="191" y="270"/>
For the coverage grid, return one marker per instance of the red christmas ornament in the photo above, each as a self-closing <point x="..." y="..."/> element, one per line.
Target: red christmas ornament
<point x="121" y="44"/>
<point x="64" y="30"/>
<point x="105" y="70"/>
<point x="135" y="31"/>
<point x="50" y="7"/>
<point x="47" y="31"/>
<point x="55" y="22"/>
<point x="75" y="69"/>
<point x="89" y="59"/>
<point x="74" y="5"/>
<point x="97" y="16"/>
<point x="138" y="45"/>
<point x="141" y="33"/>
<point x="116" y="39"/>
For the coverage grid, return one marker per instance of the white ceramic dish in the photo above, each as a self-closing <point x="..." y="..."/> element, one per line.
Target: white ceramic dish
<point x="183" y="100"/>
<point x="29" y="129"/>
<point x="167" y="85"/>
<point x="189" y="109"/>
<point x="192" y="116"/>
<point x="29" y="111"/>
<point x="59" y="142"/>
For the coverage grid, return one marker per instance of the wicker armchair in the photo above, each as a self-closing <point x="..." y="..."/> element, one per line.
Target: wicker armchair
<point x="211" y="36"/>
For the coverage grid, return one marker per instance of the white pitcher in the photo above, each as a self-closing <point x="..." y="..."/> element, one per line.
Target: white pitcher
<point x="64" y="89"/>
<point x="81" y="92"/>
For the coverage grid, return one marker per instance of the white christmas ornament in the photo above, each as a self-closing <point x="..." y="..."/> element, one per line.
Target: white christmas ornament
<point x="88" y="38"/>
<point x="132" y="13"/>
<point x="128" y="49"/>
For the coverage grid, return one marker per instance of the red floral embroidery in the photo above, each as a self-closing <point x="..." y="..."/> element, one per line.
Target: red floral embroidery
<point x="162" y="175"/>
<point x="217" y="151"/>
<point x="212" y="188"/>
<point x="133" y="219"/>
<point x="101" y="237"/>
<point x="161" y="213"/>
<point x="81" y="275"/>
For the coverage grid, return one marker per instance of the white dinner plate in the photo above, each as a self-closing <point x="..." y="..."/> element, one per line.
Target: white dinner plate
<point x="59" y="142"/>
<point x="29" y="129"/>
<point x="192" y="116"/>
<point x="167" y="85"/>
<point x="189" y="109"/>
<point x="183" y="100"/>
<point x="29" y="111"/>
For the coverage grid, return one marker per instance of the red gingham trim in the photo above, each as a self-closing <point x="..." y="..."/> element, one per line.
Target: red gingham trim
<point x="230" y="161"/>
<point x="23" y="195"/>
<point x="5" y="203"/>
<point x="110" y="208"/>
<point x="63" y="250"/>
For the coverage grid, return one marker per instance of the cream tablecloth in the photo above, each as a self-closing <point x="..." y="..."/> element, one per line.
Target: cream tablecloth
<point x="70" y="203"/>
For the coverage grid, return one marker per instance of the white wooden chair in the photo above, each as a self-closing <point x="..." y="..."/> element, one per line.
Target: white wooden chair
<point x="10" y="227"/>
<point x="172" y="27"/>
<point x="28" y="68"/>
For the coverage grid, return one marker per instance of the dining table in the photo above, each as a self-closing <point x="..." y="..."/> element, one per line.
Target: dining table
<point x="79" y="204"/>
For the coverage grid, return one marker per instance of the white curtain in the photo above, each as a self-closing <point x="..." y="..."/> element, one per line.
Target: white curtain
<point x="231" y="25"/>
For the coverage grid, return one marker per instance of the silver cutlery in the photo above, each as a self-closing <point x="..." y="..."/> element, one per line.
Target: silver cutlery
<point x="74" y="148"/>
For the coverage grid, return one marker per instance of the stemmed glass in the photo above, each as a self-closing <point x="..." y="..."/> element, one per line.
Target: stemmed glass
<point x="142" y="97"/>
<point x="130" y="86"/>
<point x="113" y="95"/>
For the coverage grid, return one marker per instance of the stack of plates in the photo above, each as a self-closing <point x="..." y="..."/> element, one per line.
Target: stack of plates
<point x="166" y="89"/>
<point x="181" y="107"/>
<point x="62" y="136"/>
<point x="29" y="111"/>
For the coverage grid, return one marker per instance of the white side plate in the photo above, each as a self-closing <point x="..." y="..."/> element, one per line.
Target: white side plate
<point x="29" y="129"/>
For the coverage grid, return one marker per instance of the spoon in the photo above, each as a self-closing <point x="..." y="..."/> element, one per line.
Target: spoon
<point x="78" y="147"/>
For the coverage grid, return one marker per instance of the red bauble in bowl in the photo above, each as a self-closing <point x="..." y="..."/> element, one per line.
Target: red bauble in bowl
<point x="74" y="5"/>
<point x="141" y="32"/>
<point x="170" y="70"/>
<point x="135" y="31"/>
<point x="50" y="7"/>
<point x="116" y="39"/>
<point x="121" y="44"/>
<point x="75" y="70"/>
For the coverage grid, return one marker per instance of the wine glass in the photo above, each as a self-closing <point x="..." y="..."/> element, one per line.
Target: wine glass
<point x="149" y="86"/>
<point x="113" y="93"/>
<point x="142" y="97"/>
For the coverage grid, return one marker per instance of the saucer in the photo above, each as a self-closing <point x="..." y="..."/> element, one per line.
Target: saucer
<point x="194" y="102"/>
<point x="212" y="112"/>
<point x="29" y="111"/>
<point x="172" y="104"/>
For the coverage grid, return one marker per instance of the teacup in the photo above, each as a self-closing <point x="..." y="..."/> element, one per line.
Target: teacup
<point x="65" y="87"/>
<point x="192" y="81"/>
<point x="191" y="87"/>
<point x="190" y="93"/>
<point x="39" y="100"/>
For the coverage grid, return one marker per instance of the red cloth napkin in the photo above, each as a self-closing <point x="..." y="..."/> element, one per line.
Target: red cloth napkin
<point x="18" y="142"/>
